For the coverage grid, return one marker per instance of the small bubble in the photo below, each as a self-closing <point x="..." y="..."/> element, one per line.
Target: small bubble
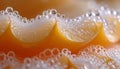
<point x="32" y="20"/>
<point x="42" y="55"/>
<point x="58" y="14"/>
<point x="53" y="11"/>
<point x="9" y="9"/>
<point x="84" y="53"/>
<point x="47" y="12"/>
<point x="51" y="61"/>
<point x="27" y="61"/>
<point x="38" y="17"/>
<point x="16" y="12"/>
<point x="66" y="51"/>
<point x="89" y="14"/>
<point x="2" y="12"/>
<point x="95" y="13"/>
<point x="2" y="56"/>
<point x="25" y="20"/>
<point x="47" y="53"/>
<point x="11" y="54"/>
<point x="55" y="51"/>
<point x="35" y="58"/>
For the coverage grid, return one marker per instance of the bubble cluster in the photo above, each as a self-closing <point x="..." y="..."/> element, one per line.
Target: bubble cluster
<point x="94" y="56"/>
<point x="8" y="59"/>
<point x="31" y="30"/>
<point x="28" y="30"/>
<point x="80" y="29"/>
<point x="111" y="23"/>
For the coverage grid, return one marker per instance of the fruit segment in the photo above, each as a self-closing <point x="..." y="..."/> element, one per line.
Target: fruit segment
<point x="81" y="30"/>
<point x="111" y="24"/>
<point x="32" y="31"/>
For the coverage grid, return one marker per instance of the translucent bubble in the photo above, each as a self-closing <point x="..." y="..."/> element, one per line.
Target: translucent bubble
<point x="66" y="51"/>
<point x="35" y="58"/>
<point x="50" y="12"/>
<point x="55" y="51"/>
<point x="2" y="56"/>
<point x="42" y="55"/>
<point x="9" y="9"/>
<point x="47" y="53"/>
<point x="24" y="20"/>
<point x="97" y="50"/>
<point x="27" y="63"/>
<point x="38" y="17"/>
<point x="53" y="11"/>
<point x="11" y="54"/>
<point x="16" y="12"/>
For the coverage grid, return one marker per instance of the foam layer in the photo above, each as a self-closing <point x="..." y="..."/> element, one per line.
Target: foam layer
<point x="36" y="29"/>
<point x="92" y="57"/>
